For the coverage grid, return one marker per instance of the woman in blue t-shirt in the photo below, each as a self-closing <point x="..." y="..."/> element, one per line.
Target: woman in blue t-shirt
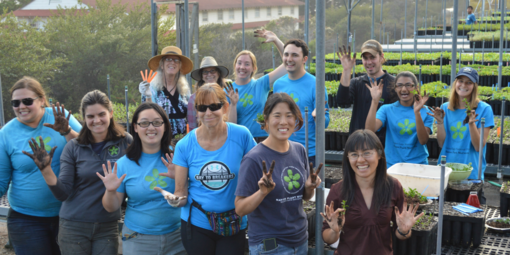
<point x="253" y="93"/>
<point x="273" y="201"/>
<point x="41" y="133"/>
<point x="407" y="124"/>
<point x="458" y="133"/>
<point x="151" y="225"/>
<point x="207" y="162"/>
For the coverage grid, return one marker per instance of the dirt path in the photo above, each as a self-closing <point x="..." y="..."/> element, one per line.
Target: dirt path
<point x="4" y="239"/>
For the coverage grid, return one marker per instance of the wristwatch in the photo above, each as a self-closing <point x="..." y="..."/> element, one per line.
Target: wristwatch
<point x="67" y="132"/>
<point x="402" y="234"/>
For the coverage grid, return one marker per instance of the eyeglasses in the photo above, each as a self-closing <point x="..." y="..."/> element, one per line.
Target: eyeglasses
<point x="25" y="101"/>
<point x="407" y="85"/>
<point x="212" y="107"/>
<point x="175" y="60"/>
<point x="209" y="72"/>
<point x="365" y="155"/>
<point x="145" y="124"/>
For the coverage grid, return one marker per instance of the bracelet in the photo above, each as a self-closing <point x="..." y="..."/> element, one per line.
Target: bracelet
<point x="67" y="132"/>
<point x="402" y="234"/>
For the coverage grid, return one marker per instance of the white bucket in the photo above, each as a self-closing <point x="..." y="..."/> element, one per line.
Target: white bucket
<point x="418" y="177"/>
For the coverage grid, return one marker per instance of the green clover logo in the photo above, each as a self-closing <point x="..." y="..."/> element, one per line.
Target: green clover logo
<point x="295" y="98"/>
<point x="406" y="127"/>
<point x="458" y="131"/>
<point x="292" y="179"/>
<point x="246" y="99"/>
<point x="156" y="179"/>
<point x="46" y="141"/>
<point x="114" y="150"/>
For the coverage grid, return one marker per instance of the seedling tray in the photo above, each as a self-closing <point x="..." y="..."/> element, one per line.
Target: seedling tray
<point x="504" y="203"/>
<point x="421" y="242"/>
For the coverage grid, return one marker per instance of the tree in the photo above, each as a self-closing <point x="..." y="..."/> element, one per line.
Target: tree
<point x="7" y="6"/>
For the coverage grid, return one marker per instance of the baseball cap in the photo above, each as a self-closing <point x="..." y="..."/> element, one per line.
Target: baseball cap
<point x="371" y="46"/>
<point x="469" y="72"/>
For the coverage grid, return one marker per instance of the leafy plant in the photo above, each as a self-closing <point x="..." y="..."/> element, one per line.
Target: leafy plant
<point x="413" y="194"/>
<point x="457" y="167"/>
<point x="344" y="206"/>
<point x="468" y="111"/>
<point x="260" y="117"/>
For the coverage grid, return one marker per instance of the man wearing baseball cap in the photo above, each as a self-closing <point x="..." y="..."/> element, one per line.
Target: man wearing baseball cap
<point x="354" y="91"/>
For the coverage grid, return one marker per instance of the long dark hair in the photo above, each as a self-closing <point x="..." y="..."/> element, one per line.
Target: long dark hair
<point x="277" y="98"/>
<point x="221" y="81"/>
<point x="365" y="139"/>
<point x="114" y="131"/>
<point x="134" y="150"/>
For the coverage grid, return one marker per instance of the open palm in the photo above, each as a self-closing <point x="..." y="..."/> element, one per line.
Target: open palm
<point x="345" y="57"/>
<point x="376" y="89"/>
<point x="110" y="179"/>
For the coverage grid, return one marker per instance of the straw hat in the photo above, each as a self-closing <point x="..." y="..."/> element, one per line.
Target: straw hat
<point x="187" y="64"/>
<point x="208" y="62"/>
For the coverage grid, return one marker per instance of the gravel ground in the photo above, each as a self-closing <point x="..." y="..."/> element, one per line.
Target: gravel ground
<point x="4" y="239"/>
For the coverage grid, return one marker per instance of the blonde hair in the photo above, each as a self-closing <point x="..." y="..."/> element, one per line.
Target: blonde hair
<point x="33" y="85"/>
<point x="158" y="83"/>
<point x="455" y="100"/>
<point x="253" y="61"/>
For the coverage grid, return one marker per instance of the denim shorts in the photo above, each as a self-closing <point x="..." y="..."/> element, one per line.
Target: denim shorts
<point x="280" y="249"/>
<point x="134" y="243"/>
<point x="88" y="238"/>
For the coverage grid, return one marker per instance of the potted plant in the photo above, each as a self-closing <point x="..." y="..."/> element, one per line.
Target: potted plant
<point x="423" y="239"/>
<point x="260" y="120"/>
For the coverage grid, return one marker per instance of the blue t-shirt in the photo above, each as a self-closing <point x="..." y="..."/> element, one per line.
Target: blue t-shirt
<point x="28" y="193"/>
<point x="147" y="210"/>
<point x="471" y="19"/>
<point x="402" y="144"/>
<point x="252" y="99"/>
<point x="457" y="145"/>
<point x="303" y="92"/>
<point x="212" y="175"/>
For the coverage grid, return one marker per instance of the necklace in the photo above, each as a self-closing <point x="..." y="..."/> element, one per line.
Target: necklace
<point x="166" y="84"/>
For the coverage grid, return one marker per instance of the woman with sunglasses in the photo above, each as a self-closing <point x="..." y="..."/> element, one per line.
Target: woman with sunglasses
<point x="374" y="200"/>
<point x="252" y="94"/>
<point x="273" y="200"/>
<point x="151" y="225"/>
<point x="169" y="88"/>
<point x="33" y="210"/>
<point x="406" y="121"/>
<point x="210" y="156"/>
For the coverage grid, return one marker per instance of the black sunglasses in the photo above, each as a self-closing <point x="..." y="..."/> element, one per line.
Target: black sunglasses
<point x="25" y="101"/>
<point x="212" y="107"/>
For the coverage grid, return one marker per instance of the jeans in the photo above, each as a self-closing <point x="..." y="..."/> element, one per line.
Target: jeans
<point x="31" y="235"/>
<point x="88" y="238"/>
<point x="280" y="249"/>
<point x="134" y="243"/>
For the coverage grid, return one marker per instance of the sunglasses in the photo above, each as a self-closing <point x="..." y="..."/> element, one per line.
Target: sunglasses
<point x="212" y="107"/>
<point x="25" y="101"/>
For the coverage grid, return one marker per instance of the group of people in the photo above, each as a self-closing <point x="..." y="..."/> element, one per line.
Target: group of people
<point x="228" y="175"/>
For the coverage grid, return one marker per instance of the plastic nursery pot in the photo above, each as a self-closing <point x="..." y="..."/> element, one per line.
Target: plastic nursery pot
<point x="329" y="182"/>
<point x="504" y="201"/>
<point x="489" y="153"/>
<point x="309" y="208"/>
<point x="421" y="242"/>
<point x="506" y="151"/>
<point x="456" y="194"/>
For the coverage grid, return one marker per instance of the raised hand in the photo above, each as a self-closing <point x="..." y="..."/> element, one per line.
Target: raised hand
<point x="419" y="101"/>
<point x="172" y="199"/>
<point x="376" y="89"/>
<point x="266" y="183"/>
<point x="110" y="179"/>
<point x="40" y="157"/>
<point x="333" y="216"/>
<point x="61" y="124"/>
<point x="148" y="78"/>
<point x="169" y="166"/>
<point x="472" y="117"/>
<point x="406" y="219"/>
<point x="231" y="93"/>
<point x="314" y="180"/>
<point x="345" y="57"/>
<point x="266" y="34"/>
<point x="437" y="113"/>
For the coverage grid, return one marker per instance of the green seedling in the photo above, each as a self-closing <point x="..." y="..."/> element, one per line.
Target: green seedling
<point x="344" y="206"/>
<point x="468" y="111"/>
<point x="414" y="194"/>
<point x="260" y="117"/>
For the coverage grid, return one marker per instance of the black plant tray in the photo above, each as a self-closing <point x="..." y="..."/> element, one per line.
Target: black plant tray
<point x="504" y="203"/>
<point x="310" y="217"/>
<point x="433" y="148"/>
<point x="421" y="242"/>
<point x="505" y="161"/>
<point x="329" y="182"/>
<point x="461" y="196"/>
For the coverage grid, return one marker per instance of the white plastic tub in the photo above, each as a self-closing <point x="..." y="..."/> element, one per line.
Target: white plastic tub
<point x="419" y="176"/>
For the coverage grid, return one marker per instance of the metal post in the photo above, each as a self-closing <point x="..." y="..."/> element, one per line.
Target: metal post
<point x="353" y="40"/>
<point x="415" y="28"/>
<point x="320" y="119"/>
<point x="2" y="117"/>
<point x="108" y="85"/>
<point x="242" y="16"/>
<point x="373" y="18"/>
<point x="426" y="8"/>
<point x="441" y="68"/>
<point x="272" y="53"/>
<point x="441" y="203"/>
<point x="483" y="50"/>
<point x="186" y="35"/>
<point x="382" y="1"/>
<point x="480" y="150"/>
<point x="154" y="33"/>
<point x="501" y="37"/>
<point x="405" y="19"/>
<point x="307" y="14"/>
<point x="306" y="130"/>
<point x="127" y="109"/>
<point x="401" y="44"/>
<point x="444" y="17"/>
<point x="419" y="79"/>
<point x="194" y="34"/>
<point x="454" y="39"/>
<point x="500" y="171"/>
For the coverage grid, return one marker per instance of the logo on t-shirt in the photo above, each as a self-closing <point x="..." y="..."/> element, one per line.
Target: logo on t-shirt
<point x="246" y="99"/>
<point x="406" y="127"/>
<point x="292" y="180"/>
<point x="458" y="131"/>
<point x="113" y="150"/>
<point x="156" y="179"/>
<point x="46" y="140"/>
<point x="215" y="175"/>
<point x="296" y="99"/>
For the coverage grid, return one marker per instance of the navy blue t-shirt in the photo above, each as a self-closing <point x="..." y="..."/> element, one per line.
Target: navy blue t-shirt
<point x="98" y="147"/>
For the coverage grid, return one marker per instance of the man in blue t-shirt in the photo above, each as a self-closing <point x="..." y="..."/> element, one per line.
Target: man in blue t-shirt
<point x="300" y="85"/>
<point x="471" y="19"/>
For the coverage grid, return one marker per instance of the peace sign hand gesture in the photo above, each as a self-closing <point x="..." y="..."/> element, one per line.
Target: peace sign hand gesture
<point x="266" y="183"/>
<point x="345" y="57"/>
<point x="110" y="179"/>
<point x="40" y="157"/>
<point x="169" y="165"/>
<point x="406" y="219"/>
<point x="332" y="216"/>
<point x="233" y="95"/>
<point x="61" y="124"/>
<point x="314" y="180"/>
<point x="437" y="113"/>
<point x="376" y="89"/>
<point x="172" y="199"/>
<point x="419" y="101"/>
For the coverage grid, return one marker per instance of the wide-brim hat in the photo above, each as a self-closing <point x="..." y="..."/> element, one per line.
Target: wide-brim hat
<point x="208" y="62"/>
<point x="186" y="63"/>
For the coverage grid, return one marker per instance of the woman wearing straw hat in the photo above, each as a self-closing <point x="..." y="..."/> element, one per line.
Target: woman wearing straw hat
<point x="169" y="89"/>
<point x="209" y="72"/>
